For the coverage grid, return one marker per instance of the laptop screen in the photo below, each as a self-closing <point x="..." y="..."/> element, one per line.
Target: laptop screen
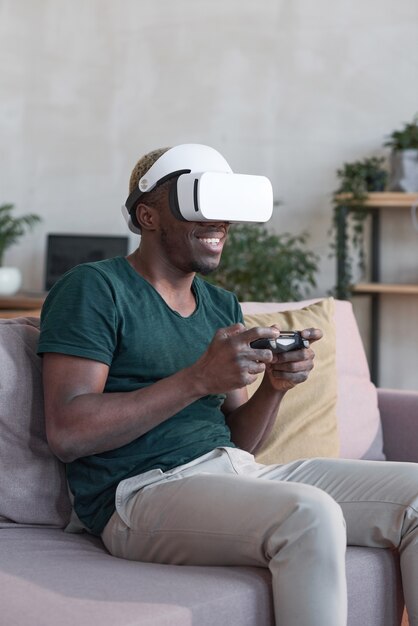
<point x="65" y="251"/>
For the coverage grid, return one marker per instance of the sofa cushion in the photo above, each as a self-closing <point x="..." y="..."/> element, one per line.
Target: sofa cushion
<point x="307" y="426"/>
<point x="33" y="485"/>
<point x="50" y="578"/>
<point x="360" y="431"/>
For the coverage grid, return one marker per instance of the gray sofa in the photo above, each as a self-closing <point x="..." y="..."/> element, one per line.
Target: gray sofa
<point x="49" y="577"/>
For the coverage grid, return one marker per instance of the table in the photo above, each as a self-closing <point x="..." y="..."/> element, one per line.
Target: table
<point x="21" y="305"/>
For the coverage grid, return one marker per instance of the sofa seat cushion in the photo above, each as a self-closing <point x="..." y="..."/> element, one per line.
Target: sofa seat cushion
<point x="48" y="577"/>
<point x="375" y="596"/>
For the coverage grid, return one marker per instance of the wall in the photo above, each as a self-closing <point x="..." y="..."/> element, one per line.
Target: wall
<point x="290" y="89"/>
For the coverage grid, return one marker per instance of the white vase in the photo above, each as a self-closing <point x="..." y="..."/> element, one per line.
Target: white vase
<point x="404" y="171"/>
<point x="10" y="280"/>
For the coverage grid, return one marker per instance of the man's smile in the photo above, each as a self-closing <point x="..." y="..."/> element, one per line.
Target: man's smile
<point x="213" y="241"/>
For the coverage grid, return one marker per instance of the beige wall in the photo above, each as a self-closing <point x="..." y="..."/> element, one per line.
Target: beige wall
<point x="287" y="88"/>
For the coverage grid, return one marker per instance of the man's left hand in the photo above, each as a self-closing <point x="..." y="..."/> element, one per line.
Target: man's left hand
<point x="289" y="369"/>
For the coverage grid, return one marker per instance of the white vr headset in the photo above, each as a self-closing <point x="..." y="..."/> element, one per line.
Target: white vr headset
<point x="204" y="188"/>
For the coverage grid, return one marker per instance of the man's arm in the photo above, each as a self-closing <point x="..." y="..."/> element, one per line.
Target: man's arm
<point x="82" y="420"/>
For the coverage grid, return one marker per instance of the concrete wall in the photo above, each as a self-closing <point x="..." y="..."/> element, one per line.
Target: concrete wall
<point x="287" y="88"/>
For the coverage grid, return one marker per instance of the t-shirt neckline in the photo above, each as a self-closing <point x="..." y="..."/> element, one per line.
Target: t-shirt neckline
<point x="195" y="291"/>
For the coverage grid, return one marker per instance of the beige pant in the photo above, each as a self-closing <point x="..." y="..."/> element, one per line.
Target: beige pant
<point x="226" y="509"/>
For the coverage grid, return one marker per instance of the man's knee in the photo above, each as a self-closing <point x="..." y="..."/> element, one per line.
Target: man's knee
<point x="313" y="527"/>
<point x="321" y="514"/>
<point x="328" y="527"/>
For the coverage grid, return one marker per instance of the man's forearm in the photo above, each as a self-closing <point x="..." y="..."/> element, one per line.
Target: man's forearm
<point x="252" y="422"/>
<point x="91" y="423"/>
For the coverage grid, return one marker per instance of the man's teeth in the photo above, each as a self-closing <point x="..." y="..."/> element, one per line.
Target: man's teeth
<point x="212" y="240"/>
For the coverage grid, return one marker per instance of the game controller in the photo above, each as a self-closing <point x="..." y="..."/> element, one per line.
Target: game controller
<point x="287" y="341"/>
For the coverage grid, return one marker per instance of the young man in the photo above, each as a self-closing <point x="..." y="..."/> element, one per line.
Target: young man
<point x="145" y="373"/>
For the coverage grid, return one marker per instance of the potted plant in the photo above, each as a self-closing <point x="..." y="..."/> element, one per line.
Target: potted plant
<point x="260" y="265"/>
<point x="11" y="229"/>
<point x="357" y="180"/>
<point x="404" y="157"/>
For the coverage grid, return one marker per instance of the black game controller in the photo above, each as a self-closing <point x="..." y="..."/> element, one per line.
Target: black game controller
<point x="288" y="340"/>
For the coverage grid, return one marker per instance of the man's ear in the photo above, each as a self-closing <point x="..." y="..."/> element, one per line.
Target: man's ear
<point x="147" y="216"/>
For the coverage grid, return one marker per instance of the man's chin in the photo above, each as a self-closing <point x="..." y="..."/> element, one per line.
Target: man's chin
<point x="205" y="269"/>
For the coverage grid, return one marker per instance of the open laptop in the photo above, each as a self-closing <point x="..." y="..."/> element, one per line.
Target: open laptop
<point x="64" y="251"/>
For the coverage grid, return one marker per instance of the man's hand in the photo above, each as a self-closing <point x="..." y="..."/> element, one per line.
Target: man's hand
<point x="251" y="420"/>
<point x="288" y="369"/>
<point x="229" y="362"/>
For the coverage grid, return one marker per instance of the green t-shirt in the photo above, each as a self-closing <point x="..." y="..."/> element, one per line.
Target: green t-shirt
<point x="107" y="312"/>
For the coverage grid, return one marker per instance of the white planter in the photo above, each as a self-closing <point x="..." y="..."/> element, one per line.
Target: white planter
<point x="404" y="171"/>
<point x="10" y="280"/>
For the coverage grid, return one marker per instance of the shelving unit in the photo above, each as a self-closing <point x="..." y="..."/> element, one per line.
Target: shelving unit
<point x="375" y="289"/>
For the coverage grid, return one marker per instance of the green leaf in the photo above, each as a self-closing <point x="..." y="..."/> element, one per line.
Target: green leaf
<point x="406" y="138"/>
<point x="357" y="178"/>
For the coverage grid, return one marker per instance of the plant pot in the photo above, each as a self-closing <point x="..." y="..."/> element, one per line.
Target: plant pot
<point x="10" y="280"/>
<point x="404" y="171"/>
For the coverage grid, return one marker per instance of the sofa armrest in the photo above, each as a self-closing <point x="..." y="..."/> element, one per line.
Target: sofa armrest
<point x="399" y="415"/>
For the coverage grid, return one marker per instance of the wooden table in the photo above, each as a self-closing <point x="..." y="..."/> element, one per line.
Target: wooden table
<point x="20" y="305"/>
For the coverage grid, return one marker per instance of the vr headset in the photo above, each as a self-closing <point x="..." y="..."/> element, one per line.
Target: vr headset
<point x="204" y="188"/>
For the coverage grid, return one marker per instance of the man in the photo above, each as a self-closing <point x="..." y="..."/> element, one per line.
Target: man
<point x="145" y="370"/>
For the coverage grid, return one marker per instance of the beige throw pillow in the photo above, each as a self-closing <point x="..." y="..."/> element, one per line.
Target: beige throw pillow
<point x="306" y="425"/>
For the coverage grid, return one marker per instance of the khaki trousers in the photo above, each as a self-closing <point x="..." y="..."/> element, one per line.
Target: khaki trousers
<point x="295" y="519"/>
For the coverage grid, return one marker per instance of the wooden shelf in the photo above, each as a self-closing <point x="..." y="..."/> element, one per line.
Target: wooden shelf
<point x="22" y="302"/>
<point x="384" y="200"/>
<point x="20" y="305"/>
<point x="385" y="288"/>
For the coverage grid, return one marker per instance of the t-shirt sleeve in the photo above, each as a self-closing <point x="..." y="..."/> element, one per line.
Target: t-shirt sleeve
<point x="239" y="314"/>
<point x="79" y="316"/>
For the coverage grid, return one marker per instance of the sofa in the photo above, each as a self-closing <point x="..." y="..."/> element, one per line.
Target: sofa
<point x="50" y="577"/>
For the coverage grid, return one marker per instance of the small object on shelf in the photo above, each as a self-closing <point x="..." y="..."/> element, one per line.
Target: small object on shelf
<point x="11" y="229"/>
<point x="404" y="157"/>
<point x="10" y="280"/>
<point x="357" y="180"/>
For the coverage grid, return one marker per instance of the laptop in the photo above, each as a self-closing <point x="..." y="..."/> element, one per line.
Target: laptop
<point x="64" y="251"/>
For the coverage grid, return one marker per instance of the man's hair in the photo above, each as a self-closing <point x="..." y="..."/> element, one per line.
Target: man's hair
<point x="141" y="167"/>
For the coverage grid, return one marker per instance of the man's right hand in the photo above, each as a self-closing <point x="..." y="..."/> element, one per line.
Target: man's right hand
<point x="230" y="362"/>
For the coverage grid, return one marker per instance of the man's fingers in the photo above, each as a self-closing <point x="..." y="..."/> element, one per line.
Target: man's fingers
<point x="313" y="334"/>
<point x="261" y="332"/>
<point x="230" y="331"/>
